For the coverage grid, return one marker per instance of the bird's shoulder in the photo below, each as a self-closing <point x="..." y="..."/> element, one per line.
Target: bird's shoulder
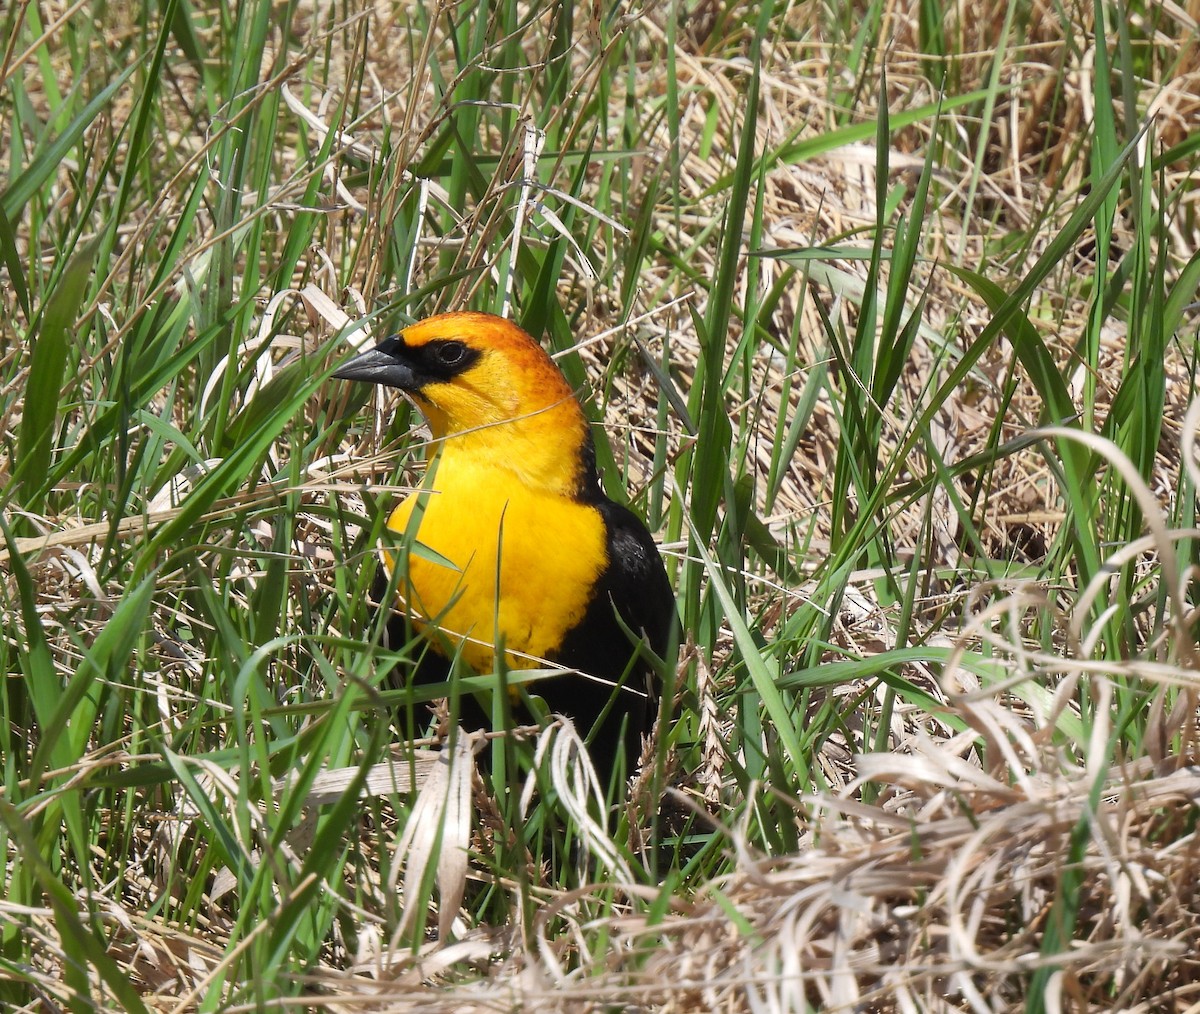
<point x="635" y="580"/>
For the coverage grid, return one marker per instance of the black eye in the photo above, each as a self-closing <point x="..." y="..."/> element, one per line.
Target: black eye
<point x="450" y="353"/>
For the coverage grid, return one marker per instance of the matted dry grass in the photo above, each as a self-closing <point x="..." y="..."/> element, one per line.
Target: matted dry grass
<point x="941" y="896"/>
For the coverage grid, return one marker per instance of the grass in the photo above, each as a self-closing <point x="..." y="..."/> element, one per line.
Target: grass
<point x="887" y="321"/>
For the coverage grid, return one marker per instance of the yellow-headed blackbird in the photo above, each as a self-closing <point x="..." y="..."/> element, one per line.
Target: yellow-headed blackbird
<point x="516" y="542"/>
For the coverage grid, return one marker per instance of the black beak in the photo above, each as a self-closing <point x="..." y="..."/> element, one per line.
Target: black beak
<point x="386" y="364"/>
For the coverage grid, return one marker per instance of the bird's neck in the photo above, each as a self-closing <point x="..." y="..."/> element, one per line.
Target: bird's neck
<point x="550" y="453"/>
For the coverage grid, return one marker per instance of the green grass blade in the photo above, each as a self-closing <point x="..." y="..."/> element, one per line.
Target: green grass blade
<point x="47" y="375"/>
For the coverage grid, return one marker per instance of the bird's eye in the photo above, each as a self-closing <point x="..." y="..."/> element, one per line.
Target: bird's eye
<point x="451" y="353"/>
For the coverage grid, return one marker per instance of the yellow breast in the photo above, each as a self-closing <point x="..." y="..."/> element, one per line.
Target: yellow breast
<point x="518" y="563"/>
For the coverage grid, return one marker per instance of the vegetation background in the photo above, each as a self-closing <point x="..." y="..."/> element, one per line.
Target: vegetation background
<point x="888" y="311"/>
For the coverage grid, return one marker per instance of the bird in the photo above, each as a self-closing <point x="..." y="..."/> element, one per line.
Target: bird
<point x="515" y="541"/>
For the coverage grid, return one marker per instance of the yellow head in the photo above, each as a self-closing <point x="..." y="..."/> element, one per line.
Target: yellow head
<point x="489" y="391"/>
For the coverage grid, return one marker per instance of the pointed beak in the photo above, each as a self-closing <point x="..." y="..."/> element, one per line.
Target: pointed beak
<point x="385" y="364"/>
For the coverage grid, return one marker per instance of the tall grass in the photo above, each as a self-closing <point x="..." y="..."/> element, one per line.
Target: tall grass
<point x="869" y="282"/>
